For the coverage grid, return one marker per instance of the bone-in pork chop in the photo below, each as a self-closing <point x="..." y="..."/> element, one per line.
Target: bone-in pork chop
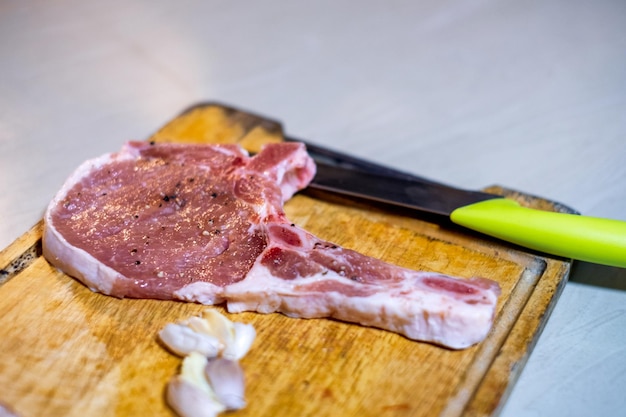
<point x="205" y="223"/>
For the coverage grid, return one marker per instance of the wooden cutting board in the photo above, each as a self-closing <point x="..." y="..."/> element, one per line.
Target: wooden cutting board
<point x="66" y="351"/>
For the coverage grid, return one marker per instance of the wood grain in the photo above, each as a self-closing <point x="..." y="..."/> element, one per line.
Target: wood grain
<point x="68" y="351"/>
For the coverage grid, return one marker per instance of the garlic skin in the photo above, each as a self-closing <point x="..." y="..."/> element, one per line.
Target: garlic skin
<point x="228" y="382"/>
<point x="189" y="393"/>
<point x="182" y="340"/>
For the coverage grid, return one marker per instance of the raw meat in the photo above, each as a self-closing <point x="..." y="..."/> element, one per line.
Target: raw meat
<point x="204" y="223"/>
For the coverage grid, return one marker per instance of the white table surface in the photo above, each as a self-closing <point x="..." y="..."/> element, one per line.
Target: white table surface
<point x="530" y="95"/>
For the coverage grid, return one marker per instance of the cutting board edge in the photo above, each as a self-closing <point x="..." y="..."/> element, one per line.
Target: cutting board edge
<point x="22" y="252"/>
<point x="514" y="360"/>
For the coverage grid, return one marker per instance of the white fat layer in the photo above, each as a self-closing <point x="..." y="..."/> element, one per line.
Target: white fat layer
<point x="200" y="292"/>
<point x="405" y="309"/>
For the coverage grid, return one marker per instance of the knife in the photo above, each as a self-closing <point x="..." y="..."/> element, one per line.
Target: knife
<point x="591" y="239"/>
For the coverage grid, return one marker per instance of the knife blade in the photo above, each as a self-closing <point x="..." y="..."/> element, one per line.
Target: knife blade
<point x="591" y="239"/>
<point x="407" y="192"/>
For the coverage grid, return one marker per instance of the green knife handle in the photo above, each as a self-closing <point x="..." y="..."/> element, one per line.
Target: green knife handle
<point x="584" y="238"/>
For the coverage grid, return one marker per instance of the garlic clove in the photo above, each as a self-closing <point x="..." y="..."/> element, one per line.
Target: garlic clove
<point x="182" y="340"/>
<point x="190" y="401"/>
<point x="227" y="380"/>
<point x="199" y="325"/>
<point x="192" y="370"/>
<point x="190" y="393"/>
<point x="206" y="387"/>
<point x="241" y="343"/>
<point x="220" y="326"/>
<point x="6" y="411"/>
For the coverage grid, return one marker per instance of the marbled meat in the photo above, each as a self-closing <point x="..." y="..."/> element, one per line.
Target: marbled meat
<point x="205" y="223"/>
